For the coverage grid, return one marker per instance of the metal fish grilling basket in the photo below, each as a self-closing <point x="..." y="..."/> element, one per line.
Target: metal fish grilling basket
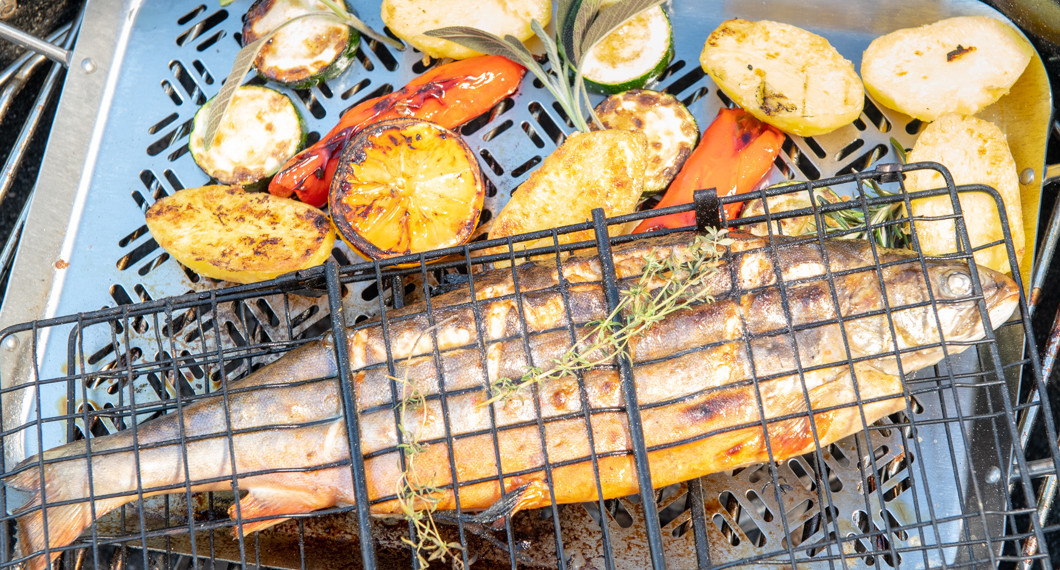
<point x="943" y="482"/>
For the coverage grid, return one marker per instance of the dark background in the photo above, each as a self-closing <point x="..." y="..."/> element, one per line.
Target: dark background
<point x="41" y="17"/>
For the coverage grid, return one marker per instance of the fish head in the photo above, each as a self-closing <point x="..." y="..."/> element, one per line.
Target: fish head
<point x="949" y="318"/>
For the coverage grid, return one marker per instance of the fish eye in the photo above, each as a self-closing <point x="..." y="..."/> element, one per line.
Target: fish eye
<point x="956" y="284"/>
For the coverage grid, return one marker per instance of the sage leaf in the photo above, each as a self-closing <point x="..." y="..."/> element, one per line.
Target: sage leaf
<point x="899" y="151"/>
<point x="550" y="47"/>
<point x="562" y="12"/>
<point x="610" y="18"/>
<point x="356" y="23"/>
<point x="575" y="35"/>
<point x="244" y="60"/>
<point x="485" y="42"/>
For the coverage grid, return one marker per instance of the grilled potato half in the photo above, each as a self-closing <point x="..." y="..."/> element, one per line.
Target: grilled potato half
<point x="226" y="233"/>
<point x="411" y="19"/>
<point x="975" y="152"/>
<point x="598" y="169"/>
<point x="956" y="65"/>
<point x="783" y="75"/>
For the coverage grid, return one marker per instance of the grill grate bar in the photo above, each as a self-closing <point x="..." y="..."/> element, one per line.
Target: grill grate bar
<point x="480" y="332"/>
<point x="629" y="392"/>
<point x="349" y="407"/>
<point x="583" y="396"/>
<point x="443" y="400"/>
<point x="561" y="557"/>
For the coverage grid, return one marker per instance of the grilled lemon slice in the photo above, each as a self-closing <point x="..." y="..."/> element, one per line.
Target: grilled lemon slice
<point x="405" y="186"/>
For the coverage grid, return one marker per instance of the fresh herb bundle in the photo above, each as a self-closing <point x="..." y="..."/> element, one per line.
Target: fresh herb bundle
<point x="577" y="35"/>
<point x="880" y="224"/>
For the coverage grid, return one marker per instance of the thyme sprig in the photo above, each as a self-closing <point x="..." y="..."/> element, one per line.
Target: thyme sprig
<point x="577" y="34"/>
<point x="418" y="502"/>
<point x="641" y="306"/>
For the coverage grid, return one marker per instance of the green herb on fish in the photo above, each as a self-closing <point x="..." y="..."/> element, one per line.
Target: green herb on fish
<point x="852" y="223"/>
<point x="577" y="36"/>
<point x="880" y="222"/>
<point x="641" y="306"/>
<point x="419" y="502"/>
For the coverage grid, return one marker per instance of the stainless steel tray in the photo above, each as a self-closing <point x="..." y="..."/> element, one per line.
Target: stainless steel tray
<point x="119" y="142"/>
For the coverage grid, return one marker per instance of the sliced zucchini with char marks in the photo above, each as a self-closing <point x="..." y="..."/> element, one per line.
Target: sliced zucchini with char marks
<point x="632" y="55"/>
<point x="303" y="53"/>
<point x="227" y="233"/>
<point x="670" y="128"/>
<point x="260" y="131"/>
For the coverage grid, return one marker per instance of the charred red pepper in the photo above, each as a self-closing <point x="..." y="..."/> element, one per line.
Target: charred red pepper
<point x="735" y="153"/>
<point x="450" y="95"/>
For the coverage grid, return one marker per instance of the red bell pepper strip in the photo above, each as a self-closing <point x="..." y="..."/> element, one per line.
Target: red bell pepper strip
<point x="450" y="95"/>
<point x="734" y="154"/>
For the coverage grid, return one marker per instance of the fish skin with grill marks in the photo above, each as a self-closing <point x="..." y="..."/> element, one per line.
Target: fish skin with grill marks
<point x="693" y="371"/>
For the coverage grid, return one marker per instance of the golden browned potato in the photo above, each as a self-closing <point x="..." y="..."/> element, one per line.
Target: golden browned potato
<point x="783" y="75"/>
<point x="956" y="65"/>
<point x="599" y="169"/>
<point x="975" y="152"/>
<point x="410" y="19"/>
<point x="226" y="233"/>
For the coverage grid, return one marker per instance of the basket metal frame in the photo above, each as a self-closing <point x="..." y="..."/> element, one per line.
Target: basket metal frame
<point x="1016" y="520"/>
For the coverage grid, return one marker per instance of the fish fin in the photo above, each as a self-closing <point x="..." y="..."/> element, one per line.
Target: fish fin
<point x="259" y="503"/>
<point x="64" y="522"/>
<point x="529" y="495"/>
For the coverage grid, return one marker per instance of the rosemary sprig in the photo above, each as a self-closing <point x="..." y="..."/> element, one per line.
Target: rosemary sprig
<point x="576" y="34"/>
<point x="643" y="305"/>
<point x="245" y="59"/>
<point x="852" y="223"/>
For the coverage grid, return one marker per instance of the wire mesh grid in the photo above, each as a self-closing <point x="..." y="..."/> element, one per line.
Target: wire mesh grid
<point x="934" y="478"/>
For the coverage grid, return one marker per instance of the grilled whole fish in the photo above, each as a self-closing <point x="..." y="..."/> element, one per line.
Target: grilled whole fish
<point x="796" y="348"/>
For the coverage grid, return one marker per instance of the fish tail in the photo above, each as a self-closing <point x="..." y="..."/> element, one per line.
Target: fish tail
<point x="42" y="523"/>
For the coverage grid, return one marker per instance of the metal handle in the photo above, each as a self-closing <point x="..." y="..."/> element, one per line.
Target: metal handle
<point x="29" y="41"/>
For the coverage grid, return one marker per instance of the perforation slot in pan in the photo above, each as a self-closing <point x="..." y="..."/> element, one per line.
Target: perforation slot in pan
<point x="101" y="175"/>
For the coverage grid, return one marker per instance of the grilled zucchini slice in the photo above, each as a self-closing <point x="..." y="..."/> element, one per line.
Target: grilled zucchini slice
<point x="670" y="129"/>
<point x="260" y="131"/>
<point x="783" y="75"/>
<point x="632" y="55"/>
<point x="956" y="65"/>
<point x="303" y="53"/>
<point x="226" y="233"/>
<point x="975" y="152"/>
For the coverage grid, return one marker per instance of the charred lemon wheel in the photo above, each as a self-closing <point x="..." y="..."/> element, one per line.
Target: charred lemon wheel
<point x="406" y="186"/>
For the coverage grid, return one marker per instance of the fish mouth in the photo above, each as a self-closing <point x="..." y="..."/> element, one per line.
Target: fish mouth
<point x="1002" y="300"/>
